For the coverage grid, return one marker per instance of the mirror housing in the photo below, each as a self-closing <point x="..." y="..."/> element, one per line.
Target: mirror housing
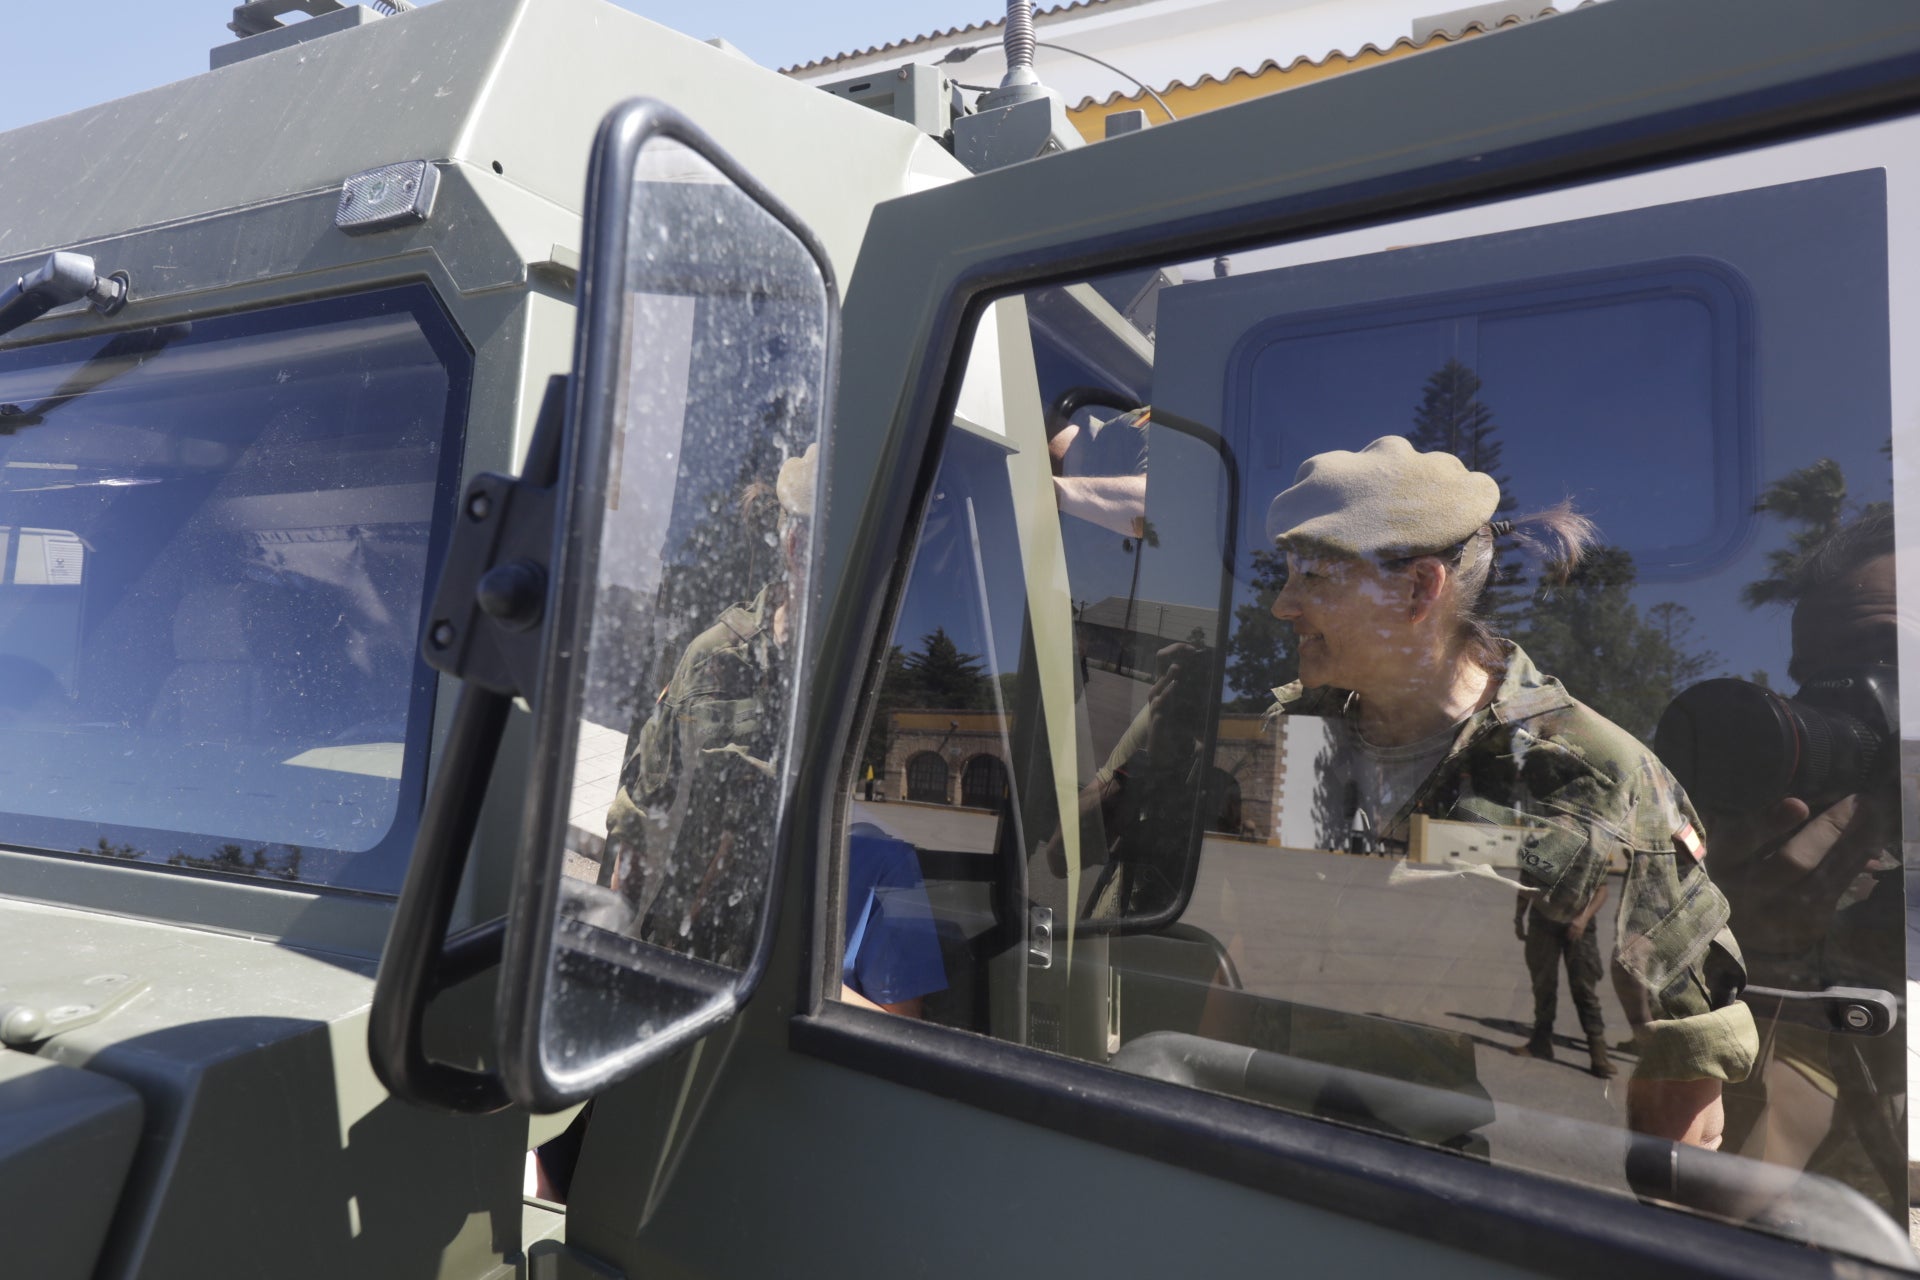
<point x="1156" y="808"/>
<point x="667" y="527"/>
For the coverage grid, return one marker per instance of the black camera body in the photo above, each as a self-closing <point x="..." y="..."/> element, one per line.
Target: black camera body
<point x="1739" y="747"/>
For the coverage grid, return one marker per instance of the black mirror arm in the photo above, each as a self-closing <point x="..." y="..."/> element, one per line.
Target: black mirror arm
<point x="419" y="962"/>
<point x="485" y="629"/>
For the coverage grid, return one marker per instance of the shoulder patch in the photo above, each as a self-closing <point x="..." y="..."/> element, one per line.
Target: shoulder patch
<point x="1687" y="840"/>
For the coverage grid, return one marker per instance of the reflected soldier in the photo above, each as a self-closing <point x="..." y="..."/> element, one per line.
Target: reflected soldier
<point x="1549" y="941"/>
<point x="698" y="785"/>
<point x="1390" y="555"/>
<point x="1806" y="848"/>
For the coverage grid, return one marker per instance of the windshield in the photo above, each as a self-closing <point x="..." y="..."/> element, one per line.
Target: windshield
<point x="215" y="538"/>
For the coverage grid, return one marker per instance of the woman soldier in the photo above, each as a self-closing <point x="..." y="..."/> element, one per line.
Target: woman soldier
<point x="1391" y="556"/>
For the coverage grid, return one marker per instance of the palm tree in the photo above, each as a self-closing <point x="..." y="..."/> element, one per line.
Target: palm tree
<point x="1815" y="498"/>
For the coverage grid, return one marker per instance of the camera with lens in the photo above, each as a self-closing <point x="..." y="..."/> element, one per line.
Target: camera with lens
<point x="1739" y="747"/>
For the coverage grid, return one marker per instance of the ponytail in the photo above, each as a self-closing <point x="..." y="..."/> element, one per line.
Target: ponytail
<point x="1558" y="538"/>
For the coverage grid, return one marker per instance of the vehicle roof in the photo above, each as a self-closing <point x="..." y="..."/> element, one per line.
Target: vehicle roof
<point x="517" y="84"/>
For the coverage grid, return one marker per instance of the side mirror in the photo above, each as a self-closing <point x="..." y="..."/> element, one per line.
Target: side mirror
<point x="647" y="586"/>
<point x="1170" y="633"/>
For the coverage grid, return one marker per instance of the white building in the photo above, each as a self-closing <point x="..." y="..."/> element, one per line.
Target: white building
<point x="1196" y="54"/>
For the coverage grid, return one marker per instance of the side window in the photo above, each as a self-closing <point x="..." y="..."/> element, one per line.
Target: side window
<point x="214" y="544"/>
<point x="1440" y="678"/>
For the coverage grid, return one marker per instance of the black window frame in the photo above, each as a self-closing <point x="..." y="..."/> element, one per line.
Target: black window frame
<point x="1518" y="1217"/>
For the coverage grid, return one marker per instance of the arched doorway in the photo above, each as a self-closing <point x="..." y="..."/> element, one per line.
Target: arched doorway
<point x="983" y="783"/>
<point x="927" y="778"/>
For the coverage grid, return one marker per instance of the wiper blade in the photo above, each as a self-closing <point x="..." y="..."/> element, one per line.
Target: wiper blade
<point x="120" y="354"/>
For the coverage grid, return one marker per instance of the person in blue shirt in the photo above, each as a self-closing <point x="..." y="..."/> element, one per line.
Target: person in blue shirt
<point x="892" y="960"/>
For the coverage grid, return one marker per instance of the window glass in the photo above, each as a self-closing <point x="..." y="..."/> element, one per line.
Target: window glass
<point x="1441" y="679"/>
<point x="217" y="536"/>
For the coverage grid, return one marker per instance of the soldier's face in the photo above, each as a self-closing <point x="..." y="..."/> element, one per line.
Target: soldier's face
<point x="1349" y="619"/>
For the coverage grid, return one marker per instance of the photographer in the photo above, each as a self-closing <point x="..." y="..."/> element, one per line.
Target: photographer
<point x="1801" y="801"/>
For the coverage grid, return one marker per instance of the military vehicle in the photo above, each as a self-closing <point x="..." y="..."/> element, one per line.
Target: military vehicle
<point x="398" y="419"/>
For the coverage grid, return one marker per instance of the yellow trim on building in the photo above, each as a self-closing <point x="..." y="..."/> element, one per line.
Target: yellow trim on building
<point x="1090" y="117"/>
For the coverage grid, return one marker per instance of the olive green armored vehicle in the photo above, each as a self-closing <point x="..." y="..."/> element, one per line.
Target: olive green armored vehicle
<point x="612" y="665"/>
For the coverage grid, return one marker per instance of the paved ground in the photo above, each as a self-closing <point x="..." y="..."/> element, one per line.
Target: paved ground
<point x="1372" y="935"/>
<point x="1369" y="935"/>
<point x="596" y="773"/>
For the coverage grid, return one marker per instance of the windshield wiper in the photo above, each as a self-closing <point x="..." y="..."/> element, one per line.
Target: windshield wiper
<point x="120" y="354"/>
<point x="62" y="278"/>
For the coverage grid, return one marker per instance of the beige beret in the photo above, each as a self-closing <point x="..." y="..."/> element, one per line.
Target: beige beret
<point x="794" y="486"/>
<point x="1389" y="499"/>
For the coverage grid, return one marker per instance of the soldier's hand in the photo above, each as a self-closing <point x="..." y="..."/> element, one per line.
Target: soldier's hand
<point x="1686" y="1111"/>
<point x="1576" y="931"/>
<point x="1177" y="700"/>
<point x="1786" y="874"/>
<point x="1520" y="927"/>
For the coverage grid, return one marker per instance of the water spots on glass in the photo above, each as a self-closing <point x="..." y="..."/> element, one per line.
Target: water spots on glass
<point x="254" y="497"/>
<point x="696" y="644"/>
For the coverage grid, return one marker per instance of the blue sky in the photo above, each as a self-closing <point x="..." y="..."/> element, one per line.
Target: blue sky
<point x="62" y="62"/>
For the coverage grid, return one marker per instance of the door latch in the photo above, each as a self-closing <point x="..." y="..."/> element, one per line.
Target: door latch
<point x="1040" y="937"/>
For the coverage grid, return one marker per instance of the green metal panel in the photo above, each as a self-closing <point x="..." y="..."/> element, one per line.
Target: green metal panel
<point x="65" y="1145"/>
<point x="509" y="89"/>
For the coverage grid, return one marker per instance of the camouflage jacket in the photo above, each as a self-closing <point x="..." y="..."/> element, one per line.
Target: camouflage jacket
<point x="689" y="817"/>
<point x="1586" y="791"/>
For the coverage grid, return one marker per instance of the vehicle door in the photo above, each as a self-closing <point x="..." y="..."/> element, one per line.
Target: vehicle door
<point x="1080" y="963"/>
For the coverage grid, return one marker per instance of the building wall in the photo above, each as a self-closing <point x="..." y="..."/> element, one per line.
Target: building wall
<point x="1198" y="54"/>
<point x="911" y="732"/>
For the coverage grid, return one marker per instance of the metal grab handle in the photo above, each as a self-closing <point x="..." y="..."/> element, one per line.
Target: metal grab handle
<point x="1853" y="1011"/>
<point x="419" y="961"/>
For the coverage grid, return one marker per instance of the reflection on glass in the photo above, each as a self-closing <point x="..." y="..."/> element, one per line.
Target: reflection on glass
<point x="701" y="572"/>
<point x="1497" y="888"/>
<point x="214" y="541"/>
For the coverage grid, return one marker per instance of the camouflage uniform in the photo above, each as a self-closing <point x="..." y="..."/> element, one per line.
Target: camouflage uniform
<point x="1586" y="790"/>
<point x="688" y="834"/>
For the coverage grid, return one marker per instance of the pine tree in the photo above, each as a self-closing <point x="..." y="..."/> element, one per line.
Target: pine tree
<point x="1683" y="665"/>
<point x="1589" y="634"/>
<point x="1260" y="655"/>
<point x="1452" y="419"/>
<point x="941" y="677"/>
<point x="938" y="676"/>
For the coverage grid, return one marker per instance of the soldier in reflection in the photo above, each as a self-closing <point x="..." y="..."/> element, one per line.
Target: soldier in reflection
<point x="1811" y="865"/>
<point x="1390" y="556"/>
<point x="690" y="830"/>
<point x="1577" y="943"/>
